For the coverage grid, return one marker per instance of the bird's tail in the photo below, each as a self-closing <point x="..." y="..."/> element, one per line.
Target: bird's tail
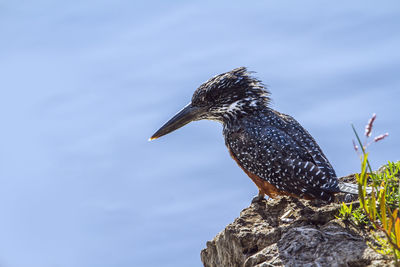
<point x="352" y="188"/>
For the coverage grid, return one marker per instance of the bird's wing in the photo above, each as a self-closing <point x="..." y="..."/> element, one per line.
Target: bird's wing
<point x="303" y="139"/>
<point x="274" y="156"/>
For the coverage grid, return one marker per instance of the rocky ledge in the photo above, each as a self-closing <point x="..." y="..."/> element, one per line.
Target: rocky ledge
<point x="291" y="232"/>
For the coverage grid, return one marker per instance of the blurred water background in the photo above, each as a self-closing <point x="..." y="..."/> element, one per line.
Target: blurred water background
<point x="85" y="83"/>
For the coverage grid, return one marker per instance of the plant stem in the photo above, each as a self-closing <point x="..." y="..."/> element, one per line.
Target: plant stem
<point x="362" y="147"/>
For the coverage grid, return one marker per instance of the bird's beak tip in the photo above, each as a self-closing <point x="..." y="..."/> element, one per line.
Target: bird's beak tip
<point x="152" y="138"/>
<point x="183" y="117"/>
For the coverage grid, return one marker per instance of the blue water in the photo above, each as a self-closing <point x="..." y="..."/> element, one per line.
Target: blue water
<point x="84" y="84"/>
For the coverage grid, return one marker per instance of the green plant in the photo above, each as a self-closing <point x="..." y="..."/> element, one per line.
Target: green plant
<point x="379" y="198"/>
<point x="381" y="208"/>
<point x="345" y="211"/>
<point x="380" y="201"/>
<point x="353" y="214"/>
<point x="359" y="218"/>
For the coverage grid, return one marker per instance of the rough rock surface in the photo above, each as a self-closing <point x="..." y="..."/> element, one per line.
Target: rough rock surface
<point x="310" y="235"/>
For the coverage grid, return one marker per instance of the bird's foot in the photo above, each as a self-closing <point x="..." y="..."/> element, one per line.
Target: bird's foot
<point x="257" y="199"/>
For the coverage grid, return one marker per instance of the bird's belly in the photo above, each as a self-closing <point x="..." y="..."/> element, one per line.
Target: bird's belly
<point x="264" y="186"/>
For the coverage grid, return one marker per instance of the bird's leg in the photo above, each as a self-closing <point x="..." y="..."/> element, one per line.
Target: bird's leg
<point x="259" y="197"/>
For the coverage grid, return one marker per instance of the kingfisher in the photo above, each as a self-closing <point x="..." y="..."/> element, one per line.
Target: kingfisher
<point x="272" y="148"/>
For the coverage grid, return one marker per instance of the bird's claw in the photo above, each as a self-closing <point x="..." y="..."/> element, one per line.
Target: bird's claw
<point x="258" y="198"/>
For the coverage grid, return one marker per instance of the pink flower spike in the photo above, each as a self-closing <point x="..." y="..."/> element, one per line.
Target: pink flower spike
<point x="355" y="146"/>
<point x="380" y="137"/>
<point x="368" y="127"/>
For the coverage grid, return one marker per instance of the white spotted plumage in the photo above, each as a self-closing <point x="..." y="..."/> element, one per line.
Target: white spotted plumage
<point x="265" y="142"/>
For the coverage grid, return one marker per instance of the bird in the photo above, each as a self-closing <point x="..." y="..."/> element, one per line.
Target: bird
<point x="272" y="148"/>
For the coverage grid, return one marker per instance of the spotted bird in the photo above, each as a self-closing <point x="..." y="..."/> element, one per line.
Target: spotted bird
<point x="272" y="148"/>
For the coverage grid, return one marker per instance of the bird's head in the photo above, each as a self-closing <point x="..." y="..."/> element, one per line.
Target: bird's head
<point x="223" y="98"/>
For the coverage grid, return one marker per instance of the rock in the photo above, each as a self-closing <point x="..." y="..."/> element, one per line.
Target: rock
<point x="310" y="235"/>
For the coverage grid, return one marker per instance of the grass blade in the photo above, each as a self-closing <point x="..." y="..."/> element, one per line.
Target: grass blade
<point x="382" y="204"/>
<point x="397" y="231"/>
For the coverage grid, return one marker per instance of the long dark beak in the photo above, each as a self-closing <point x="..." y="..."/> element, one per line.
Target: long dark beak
<point x="187" y="114"/>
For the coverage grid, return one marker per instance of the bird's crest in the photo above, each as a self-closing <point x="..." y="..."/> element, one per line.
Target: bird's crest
<point x="228" y="87"/>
